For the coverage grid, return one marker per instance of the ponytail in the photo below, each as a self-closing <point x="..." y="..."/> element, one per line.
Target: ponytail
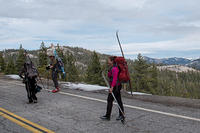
<point x="112" y="58"/>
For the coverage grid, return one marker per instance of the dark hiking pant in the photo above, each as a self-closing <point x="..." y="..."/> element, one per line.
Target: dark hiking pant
<point x="55" y="78"/>
<point x="31" y="89"/>
<point x="110" y="99"/>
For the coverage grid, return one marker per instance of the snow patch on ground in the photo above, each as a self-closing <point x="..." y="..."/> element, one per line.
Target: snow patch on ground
<point x="13" y="76"/>
<point x="84" y="87"/>
<point x="87" y="87"/>
<point x="81" y="86"/>
<point x="138" y="93"/>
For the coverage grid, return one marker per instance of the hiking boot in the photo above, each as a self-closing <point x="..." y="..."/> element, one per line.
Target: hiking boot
<point x="55" y="90"/>
<point x="34" y="101"/>
<point x="30" y="101"/>
<point x="120" y="117"/>
<point x="105" y="117"/>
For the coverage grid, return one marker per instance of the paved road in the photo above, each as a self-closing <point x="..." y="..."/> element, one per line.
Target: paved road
<point x="73" y="111"/>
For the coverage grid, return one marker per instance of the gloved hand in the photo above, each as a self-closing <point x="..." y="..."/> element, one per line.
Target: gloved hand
<point x="48" y="67"/>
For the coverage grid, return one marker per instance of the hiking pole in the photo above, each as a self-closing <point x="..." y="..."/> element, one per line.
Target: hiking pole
<point x="119" y="43"/>
<point x="118" y="106"/>
<point x="41" y="81"/>
<point x="130" y="86"/>
<point x="47" y="79"/>
<point x="123" y="120"/>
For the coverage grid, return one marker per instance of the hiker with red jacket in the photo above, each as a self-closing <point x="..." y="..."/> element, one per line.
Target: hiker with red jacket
<point x="115" y="87"/>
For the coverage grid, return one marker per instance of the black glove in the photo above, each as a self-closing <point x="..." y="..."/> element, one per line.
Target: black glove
<point x="48" y="67"/>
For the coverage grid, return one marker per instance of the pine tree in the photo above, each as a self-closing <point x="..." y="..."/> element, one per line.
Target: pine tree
<point x="71" y="69"/>
<point x="2" y="63"/>
<point x="93" y="74"/>
<point x="43" y="61"/>
<point x="10" y="67"/>
<point x="140" y="79"/>
<point x="42" y="55"/>
<point x="20" y="59"/>
<point x="153" y="79"/>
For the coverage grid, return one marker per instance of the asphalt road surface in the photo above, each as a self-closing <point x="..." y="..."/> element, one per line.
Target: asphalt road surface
<point x="74" y="111"/>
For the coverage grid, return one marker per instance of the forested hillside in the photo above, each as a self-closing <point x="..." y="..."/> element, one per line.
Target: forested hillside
<point x="82" y="65"/>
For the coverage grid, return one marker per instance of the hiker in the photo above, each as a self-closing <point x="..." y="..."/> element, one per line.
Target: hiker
<point x="54" y="66"/>
<point x="115" y="87"/>
<point x="29" y="74"/>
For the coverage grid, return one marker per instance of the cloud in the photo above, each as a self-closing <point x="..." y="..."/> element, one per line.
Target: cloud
<point x="146" y="26"/>
<point x="187" y="44"/>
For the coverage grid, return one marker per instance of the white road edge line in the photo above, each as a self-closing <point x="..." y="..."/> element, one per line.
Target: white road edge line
<point x="134" y="107"/>
<point x="125" y="105"/>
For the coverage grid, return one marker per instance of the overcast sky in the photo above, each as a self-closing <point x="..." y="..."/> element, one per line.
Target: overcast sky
<point x="154" y="28"/>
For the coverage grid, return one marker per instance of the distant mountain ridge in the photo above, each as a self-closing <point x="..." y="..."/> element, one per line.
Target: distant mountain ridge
<point x="194" y="64"/>
<point x="168" y="61"/>
<point x="174" y="61"/>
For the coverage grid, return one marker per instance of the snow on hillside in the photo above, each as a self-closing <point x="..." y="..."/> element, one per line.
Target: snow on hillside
<point x="80" y="64"/>
<point x="65" y="49"/>
<point x="32" y="56"/>
<point x="176" y="68"/>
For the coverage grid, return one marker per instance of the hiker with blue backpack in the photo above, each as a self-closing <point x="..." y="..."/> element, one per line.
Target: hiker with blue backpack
<point x="56" y="65"/>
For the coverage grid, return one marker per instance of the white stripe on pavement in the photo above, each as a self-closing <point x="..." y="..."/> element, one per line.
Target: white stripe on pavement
<point x="133" y="107"/>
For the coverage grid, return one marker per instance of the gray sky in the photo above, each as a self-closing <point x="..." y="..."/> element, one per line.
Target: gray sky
<point x="155" y="28"/>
